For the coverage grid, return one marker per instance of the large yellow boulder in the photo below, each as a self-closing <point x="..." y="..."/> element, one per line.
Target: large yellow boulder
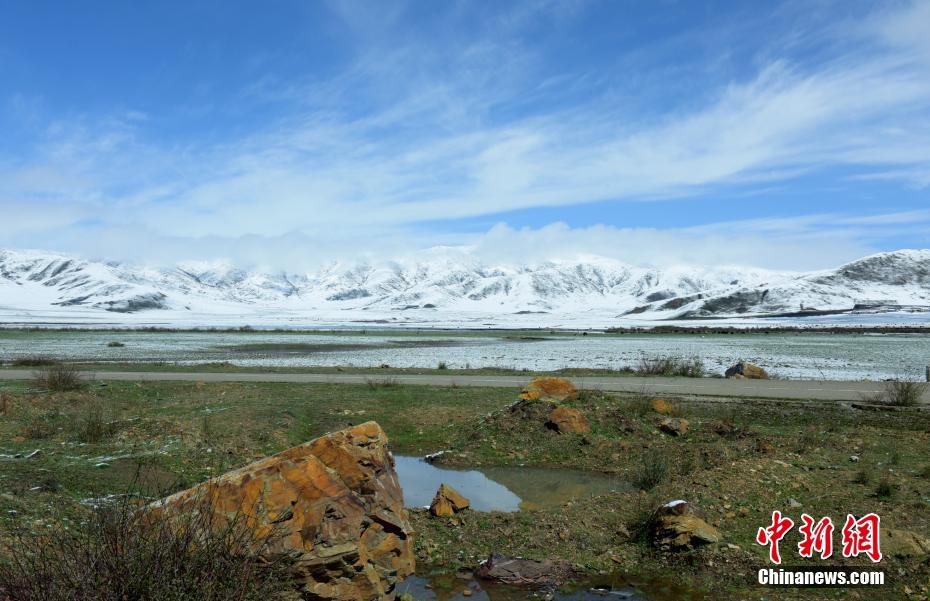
<point x="555" y="389"/>
<point x="334" y="504"/>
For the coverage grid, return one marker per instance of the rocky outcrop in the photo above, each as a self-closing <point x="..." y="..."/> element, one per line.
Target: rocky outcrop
<point x="553" y="389"/>
<point x="448" y="502"/>
<point x="566" y="420"/>
<point x="679" y="525"/>
<point x="903" y="543"/>
<point x="748" y="371"/>
<point x="333" y="504"/>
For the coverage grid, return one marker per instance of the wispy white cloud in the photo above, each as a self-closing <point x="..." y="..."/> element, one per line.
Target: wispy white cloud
<point x="415" y="133"/>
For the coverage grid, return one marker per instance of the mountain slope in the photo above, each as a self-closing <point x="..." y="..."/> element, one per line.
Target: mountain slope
<point x="33" y="282"/>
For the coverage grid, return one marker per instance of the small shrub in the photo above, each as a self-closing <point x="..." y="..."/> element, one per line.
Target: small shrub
<point x="121" y="553"/>
<point x="92" y="425"/>
<point x="4" y="403"/>
<point x="904" y="393"/>
<point x="34" y="362"/>
<point x="898" y="393"/>
<point x="810" y="438"/>
<point x="442" y="365"/>
<point x="863" y="476"/>
<point x="895" y="458"/>
<point x="925" y="472"/>
<point x="885" y="489"/>
<point x="652" y="471"/>
<point x="115" y="344"/>
<point x="207" y="431"/>
<point x="58" y="378"/>
<point x="690" y="367"/>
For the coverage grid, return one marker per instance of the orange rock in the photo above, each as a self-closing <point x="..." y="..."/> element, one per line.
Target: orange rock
<point x="557" y="389"/>
<point x="662" y="406"/>
<point x="569" y="421"/>
<point x="448" y="502"/>
<point x="334" y="503"/>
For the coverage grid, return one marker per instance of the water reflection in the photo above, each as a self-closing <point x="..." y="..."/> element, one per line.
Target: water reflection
<point x="451" y="587"/>
<point x="501" y="488"/>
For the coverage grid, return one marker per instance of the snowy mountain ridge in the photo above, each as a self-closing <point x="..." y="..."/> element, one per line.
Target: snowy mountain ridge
<point x="35" y="283"/>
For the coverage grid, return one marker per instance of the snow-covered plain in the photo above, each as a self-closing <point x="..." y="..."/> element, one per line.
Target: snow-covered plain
<point x="455" y="290"/>
<point x="808" y="355"/>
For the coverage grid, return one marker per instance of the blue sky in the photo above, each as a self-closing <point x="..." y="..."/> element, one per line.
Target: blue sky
<point x="791" y="135"/>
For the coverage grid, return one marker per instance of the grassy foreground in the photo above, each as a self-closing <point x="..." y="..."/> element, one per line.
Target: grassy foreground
<point x="738" y="462"/>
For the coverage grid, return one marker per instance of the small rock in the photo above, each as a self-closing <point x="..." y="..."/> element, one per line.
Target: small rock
<point x="748" y="371"/>
<point x="102" y="465"/>
<point x="854" y="458"/>
<point x="680" y="525"/>
<point x="730" y="515"/>
<point x="674" y="425"/>
<point x="743" y="511"/>
<point x="447" y="502"/>
<point x="467" y="593"/>
<point x="793" y="503"/>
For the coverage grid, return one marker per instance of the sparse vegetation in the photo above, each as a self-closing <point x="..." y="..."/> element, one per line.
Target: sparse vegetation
<point x="899" y="393"/>
<point x="382" y="382"/>
<point x="863" y="476"/>
<point x="92" y="425"/>
<point x="442" y="365"/>
<point x="745" y="454"/>
<point x="58" y="377"/>
<point x="690" y="367"/>
<point x="118" y="553"/>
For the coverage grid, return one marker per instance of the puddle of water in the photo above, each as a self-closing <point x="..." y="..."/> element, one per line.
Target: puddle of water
<point x="450" y="587"/>
<point x="501" y="488"/>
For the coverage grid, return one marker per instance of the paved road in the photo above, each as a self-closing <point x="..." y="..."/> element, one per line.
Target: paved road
<point x="775" y="389"/>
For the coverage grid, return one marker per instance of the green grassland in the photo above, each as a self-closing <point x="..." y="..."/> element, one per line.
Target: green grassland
<point x="741" y="455"/>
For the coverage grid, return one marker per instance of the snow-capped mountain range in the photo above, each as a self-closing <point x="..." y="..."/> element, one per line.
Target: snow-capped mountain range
<point x="450" y="289"/>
